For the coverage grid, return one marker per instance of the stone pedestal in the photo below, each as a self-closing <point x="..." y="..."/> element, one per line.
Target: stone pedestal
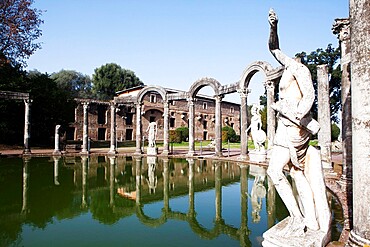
<point x="257" y="156"/>
<point x="152" y="151"/>
<point x="310" y="238"/>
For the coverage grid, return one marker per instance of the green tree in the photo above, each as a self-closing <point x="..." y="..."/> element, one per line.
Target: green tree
<point x="229" y="134"/>
<point x="51" y="105"/>
<point x="80" y="85"/>
<point x="330" y="57"/>
<point x="183" y="132"/>
<point x="110" y="78"/>
<point x="19" y="28"/>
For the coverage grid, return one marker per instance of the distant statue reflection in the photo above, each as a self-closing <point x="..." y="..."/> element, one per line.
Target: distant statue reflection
<point x="152" y="179"/>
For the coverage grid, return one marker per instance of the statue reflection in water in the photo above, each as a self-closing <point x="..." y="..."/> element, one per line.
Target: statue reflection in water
<point x="152" y="179"/>
<point x="258" y="192"/>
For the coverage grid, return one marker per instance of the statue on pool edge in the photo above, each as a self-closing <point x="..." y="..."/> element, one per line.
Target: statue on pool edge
<point x="309" y="212"/>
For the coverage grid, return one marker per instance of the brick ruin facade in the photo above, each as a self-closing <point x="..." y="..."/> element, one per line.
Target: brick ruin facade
<point x="99" y="117"/>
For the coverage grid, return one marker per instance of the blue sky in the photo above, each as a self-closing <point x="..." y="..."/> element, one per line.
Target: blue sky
<point x="174" y="43"/>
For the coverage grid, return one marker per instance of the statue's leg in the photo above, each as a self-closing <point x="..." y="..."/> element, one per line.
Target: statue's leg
<point x="306" y="196"/>
<point x="280" y="157"/>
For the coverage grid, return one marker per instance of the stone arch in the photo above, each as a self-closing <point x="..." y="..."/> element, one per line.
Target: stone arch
<point x="252" y="69"/>
<point x="147" y="89"/>
<point x="199" y="84"/>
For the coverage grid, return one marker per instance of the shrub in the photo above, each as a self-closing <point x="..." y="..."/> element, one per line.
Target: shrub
<point x="183" y="132"/>
<point x="175" y="136"/>
<point x="228" y="133"/>
<point x="335" y="131"/>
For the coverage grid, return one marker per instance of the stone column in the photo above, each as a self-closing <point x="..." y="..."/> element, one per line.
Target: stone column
<point x="271" y="119"/>
<point x="191" y="151"/>
<point x="360" y="80"/>
<point x="218" y="126"/>
<point x="323" y="115"/>
<point x="56" y="141"/>
<point x="166" y="135"/>
<point x="138" y="129"/>
<point x="85" y="130"/>
<point x="113" y="128"/>
<point x="243" y="124"/>
<point x="341" y="27"/>
<point x="27" y="126"/>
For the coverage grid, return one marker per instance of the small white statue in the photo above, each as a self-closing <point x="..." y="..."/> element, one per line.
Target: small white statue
<point x="258" y="135"/>
<point x="152" y="129"/>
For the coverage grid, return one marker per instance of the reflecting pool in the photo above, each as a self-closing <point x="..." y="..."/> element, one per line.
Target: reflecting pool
<point x="135" y="201"/>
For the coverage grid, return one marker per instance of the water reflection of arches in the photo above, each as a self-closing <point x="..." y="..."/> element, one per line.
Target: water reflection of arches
<point x="219" y="225"/>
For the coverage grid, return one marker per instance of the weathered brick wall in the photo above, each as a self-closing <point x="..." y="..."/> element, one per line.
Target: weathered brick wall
<point x="178" y="110"/>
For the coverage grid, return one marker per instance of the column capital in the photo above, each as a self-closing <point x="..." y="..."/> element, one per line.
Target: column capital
<point x="243" y="92"/>
<point x="341" y="28"/>
<point x="28" y="101"/>
<point x="269" y="85"/>
<point x="218" y="97"/>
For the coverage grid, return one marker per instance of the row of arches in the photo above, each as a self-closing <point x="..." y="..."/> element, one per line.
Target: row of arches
<point x="219" y="91"/>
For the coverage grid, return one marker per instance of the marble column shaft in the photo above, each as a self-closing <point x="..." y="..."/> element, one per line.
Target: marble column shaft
<point x="243" y="124"/>
<point x="138" y="129"/>
<point x="341" y="27"/>
<point x="218" y="126"/>
<point x="191" y="151"/>
<point x="27" y="126"/>
<point x="85" y="128"/>
<point x="166" y="135"/>
<point x="360" y="82"/>
<point x="113" y="128"/>
<point x="323" y="108"/>
<point x="56" y="140"/>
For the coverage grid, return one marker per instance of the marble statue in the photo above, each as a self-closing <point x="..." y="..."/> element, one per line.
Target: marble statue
<point x="258" y="135"/>
<point x="152" y="133"/>
<point x="309" y="220"/>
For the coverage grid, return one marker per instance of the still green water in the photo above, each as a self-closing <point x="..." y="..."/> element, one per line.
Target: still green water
<point x="125" y="201"/>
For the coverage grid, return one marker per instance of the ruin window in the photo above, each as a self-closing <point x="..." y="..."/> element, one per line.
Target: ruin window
<point x="204" y="124"/>
<point x="101" y="114"/>
<point x="205" y="105"/>
<point x="232" y="109"/>
<point x="129" y="134"/>
<point x="129" y="118"/>
<point x="101" y="134"/>
<point x="172" y="122"/>
<point x="151" y="119"/>
<point x="153" y="98"/>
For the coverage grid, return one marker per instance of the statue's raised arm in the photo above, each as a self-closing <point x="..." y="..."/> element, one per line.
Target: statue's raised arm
<point x="274" y="38"/>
